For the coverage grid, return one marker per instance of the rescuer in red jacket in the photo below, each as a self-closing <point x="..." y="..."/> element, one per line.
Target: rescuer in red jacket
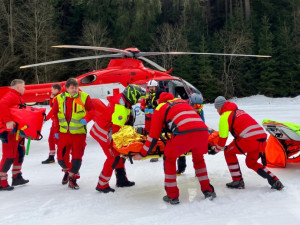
<point x="13" y="150"/>
<point x="72" y="110"/>
<point x="55" y="89"/>
<point x="249" y="139"/>
<point x="149" y="103"/>
<point x="189" y="132"/>
<point x="108" y="122"/>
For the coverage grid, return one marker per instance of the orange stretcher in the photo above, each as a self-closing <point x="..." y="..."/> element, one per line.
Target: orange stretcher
<point x="283" y="145"/>
<point x="158" y="150"/>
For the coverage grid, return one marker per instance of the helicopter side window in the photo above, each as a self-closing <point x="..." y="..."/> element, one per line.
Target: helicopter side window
<point x="163" y="87"/>
<point x="88" y="79"/>
<point x="177" y="89"/>
<point x="180" y="92"/>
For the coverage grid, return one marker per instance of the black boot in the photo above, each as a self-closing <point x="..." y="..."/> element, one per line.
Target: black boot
<point x="6" y="188"/>
<point x="49" y="160"/>
<point x="275" y="183"/>
<point x="105" y="190"/>
<point x="73" y="183"/>
<point x="122" y="180"/>
<point x="65" y="179"/>
<point x="154" y="160"/>
<point x="181" y="165"/>
<point x="210" y="194"/>
<point x="19" y="180"/>
<point x="172" y="201"/>
<point x="236" y="184"/>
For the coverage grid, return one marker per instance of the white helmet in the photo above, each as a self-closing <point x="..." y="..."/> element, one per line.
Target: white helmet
<point x="152" y="83"/>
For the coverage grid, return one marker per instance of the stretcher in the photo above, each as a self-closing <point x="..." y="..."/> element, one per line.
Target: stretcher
<point x="135" y="146"/>
<point x="283" y="145"/>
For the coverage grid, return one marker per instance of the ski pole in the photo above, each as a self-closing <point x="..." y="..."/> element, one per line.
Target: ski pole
<point x="28" y="146"/>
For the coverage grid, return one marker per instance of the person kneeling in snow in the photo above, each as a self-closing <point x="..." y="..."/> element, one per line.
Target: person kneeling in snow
<point x="249" y="139"/>
<point x="189" y="132"/>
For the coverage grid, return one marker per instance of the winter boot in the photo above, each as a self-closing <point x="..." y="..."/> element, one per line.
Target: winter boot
<point x="181" y="165"/>
<point x="105" y="190"/>
<point x="122" y="180"/>
<point x="154" y="160"/>
<point x="210" y="194"/>
<point x="236" y="184"/>
<point x="72" y="183"/>
<point x="65" y="179"/>
<point x="4" y="186"/>
<point x="277" y="185"/>
<point x="49" y="160"/>
<point x="19" y="180"/>
<point x="272" y="179"/>
<point x="172" y="201"/>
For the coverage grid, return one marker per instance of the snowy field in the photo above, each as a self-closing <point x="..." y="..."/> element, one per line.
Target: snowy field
<point x="44" y="200"/>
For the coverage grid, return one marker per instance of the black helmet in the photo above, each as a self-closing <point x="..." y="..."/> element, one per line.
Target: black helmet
<point x="132" y="93"/>
<point x="196" y="98"/>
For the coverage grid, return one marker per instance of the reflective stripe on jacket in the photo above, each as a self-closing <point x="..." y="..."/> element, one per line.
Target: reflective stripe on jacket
<point x="244" y="126"/>
<point x="116" y="116"/>
<point x="180" y="118"/>
<point x="78" y="112"/>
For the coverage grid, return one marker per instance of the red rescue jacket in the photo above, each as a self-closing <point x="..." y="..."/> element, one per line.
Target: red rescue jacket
<point x="176" y="115"/>
<point x="103" y="120"/>
<point x="10" y="99"/>
<point x="244" y="126"/>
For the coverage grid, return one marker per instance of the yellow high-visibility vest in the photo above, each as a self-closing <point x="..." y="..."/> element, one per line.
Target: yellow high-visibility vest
<point x="78" y="113"/>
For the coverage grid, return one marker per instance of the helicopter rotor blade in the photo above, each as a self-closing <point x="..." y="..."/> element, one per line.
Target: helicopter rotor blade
<point x="197" y="53"/>
<point x="74" y="59"/>
<point x="153" y="64"/>
<point x="128" y="54"/>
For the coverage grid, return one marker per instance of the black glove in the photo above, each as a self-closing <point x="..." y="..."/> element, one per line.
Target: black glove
<point x="212" y="150"/>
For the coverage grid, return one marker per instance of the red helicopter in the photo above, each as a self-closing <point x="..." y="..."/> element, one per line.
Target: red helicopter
<point x="126" y="69"/>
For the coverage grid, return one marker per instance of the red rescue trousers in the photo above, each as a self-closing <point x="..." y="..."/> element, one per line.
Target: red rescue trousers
<point x="251" y="148"/>
<point x="74" y="145"/>
<point x="109" y="166"/>
<point x="13" y="153"/>
<point x="52" y="141"/>
<point x="148" y="117"/>
<point x="197" y="142"/>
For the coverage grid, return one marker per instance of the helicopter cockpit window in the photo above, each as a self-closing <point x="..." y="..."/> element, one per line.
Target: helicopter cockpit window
<point x="88" y="79"/>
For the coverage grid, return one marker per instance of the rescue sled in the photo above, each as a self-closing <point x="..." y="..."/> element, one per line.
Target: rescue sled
<point x="128" y="143"/>
<point x="283" y="145"/>
<point x="29" y="121"/>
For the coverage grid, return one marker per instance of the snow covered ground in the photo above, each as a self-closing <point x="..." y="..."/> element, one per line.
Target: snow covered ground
<point x="44" y="200"/>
